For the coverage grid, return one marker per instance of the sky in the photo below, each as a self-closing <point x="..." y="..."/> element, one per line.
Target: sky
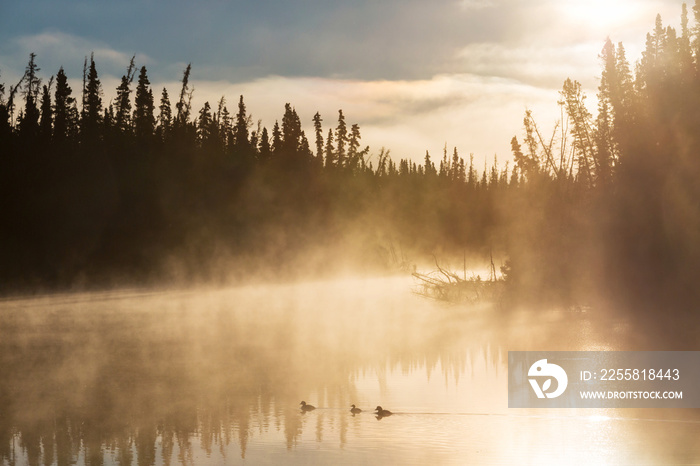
<point x="416" y="75"/>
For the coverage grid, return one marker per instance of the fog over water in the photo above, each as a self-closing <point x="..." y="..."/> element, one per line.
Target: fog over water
<point x="215" y="376"/>
<point x="186" y="279"/>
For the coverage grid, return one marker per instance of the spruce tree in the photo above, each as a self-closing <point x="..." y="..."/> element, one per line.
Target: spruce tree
<point x="64" y="124"/>
<point x="144" y="107"/>
<point x="276" y="139"/>
<point x="354" y="145"/>
<point x="205" y="123"/>
<point x="29" y="121"/>
<point x="330" y="150"/>
<point x="292" y="133"/>
<point x="240" y="130"/>
<point x="223" y="121"/>
<point x="429" y="166"/>
<point x="264" y="145"/>
<point x="46" y="121"/>
<point x="606" y="149"/>
<point x="91" y="117"/>
<point x="471" y="174"/>
<point x="622" y="94"/>
<point x="341" y="134"/>
<point x="123" y="103"/>
<point x="165" y="116"/>
<point x="319" y="135"/>
<point x="454" y="173"/>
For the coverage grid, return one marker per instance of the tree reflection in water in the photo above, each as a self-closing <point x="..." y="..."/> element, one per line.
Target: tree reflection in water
<point x="156" y="378"/>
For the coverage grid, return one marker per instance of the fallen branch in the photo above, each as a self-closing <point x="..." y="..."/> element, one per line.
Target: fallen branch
<point x="444" y="285"/>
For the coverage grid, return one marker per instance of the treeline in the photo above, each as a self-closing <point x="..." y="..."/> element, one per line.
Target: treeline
<point x="610" y="206"/>
<point x="604" y="207"/>
<point x="133" y="190"/>
<point x="654" y="220"/>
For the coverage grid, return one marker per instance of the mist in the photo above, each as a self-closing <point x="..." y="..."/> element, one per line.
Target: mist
<point x="176" y="280"/>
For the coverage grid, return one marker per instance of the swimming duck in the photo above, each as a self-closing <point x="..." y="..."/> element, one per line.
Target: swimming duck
<point x="382" y="412"/>
<point x="305" y="407"/>
<point x="355" y="410"/>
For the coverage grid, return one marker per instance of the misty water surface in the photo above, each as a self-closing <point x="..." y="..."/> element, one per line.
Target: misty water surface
<point x="215" y="376"/>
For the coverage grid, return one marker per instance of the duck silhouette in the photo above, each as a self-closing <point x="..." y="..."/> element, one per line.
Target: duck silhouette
<point x="305" y="407"/>
<point x="382" y="412"/>
<point x="355" y="410"/>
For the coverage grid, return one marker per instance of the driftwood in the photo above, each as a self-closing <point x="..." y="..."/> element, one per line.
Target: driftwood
<point x="444" y="285"/>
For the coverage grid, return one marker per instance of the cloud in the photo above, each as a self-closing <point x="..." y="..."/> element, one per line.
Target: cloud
<point x="413" y="74"/>
<point x="56" y="49"/>
<point x="476" y="4"/>
<point x="363" y="40"/>
<point x="392" y="39"/>
<point x="543" y="66"/>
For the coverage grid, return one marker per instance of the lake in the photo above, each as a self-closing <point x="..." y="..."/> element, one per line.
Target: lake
<point x="216" y="376"/>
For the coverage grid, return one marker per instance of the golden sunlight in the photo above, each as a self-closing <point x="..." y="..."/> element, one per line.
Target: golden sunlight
<point x="601" y="13"/>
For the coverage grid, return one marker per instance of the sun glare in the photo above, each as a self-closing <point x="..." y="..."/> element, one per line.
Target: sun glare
<point x="601" y="13"/>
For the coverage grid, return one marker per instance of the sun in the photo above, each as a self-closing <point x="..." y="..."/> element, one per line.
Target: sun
<point x="601" y="14"/>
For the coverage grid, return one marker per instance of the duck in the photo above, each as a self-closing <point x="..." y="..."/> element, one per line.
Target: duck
<point x="382" y="412"/>
<point x="305" y="407"/>
<point x="355" y="410"/>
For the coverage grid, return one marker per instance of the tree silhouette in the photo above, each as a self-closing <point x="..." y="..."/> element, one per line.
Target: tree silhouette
<point x="165" y="116"/>
<point x="318" y="131"/>
<point x="144" y="108"/>
<point x="91" y="117"/>
<point x="65" y="121"/>
<point x="91" y="193"/>
<point x="123" y="103"/>
<point x="341" y="137"/>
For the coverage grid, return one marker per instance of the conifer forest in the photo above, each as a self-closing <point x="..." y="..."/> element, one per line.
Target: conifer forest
<point x="102" y="187"/>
